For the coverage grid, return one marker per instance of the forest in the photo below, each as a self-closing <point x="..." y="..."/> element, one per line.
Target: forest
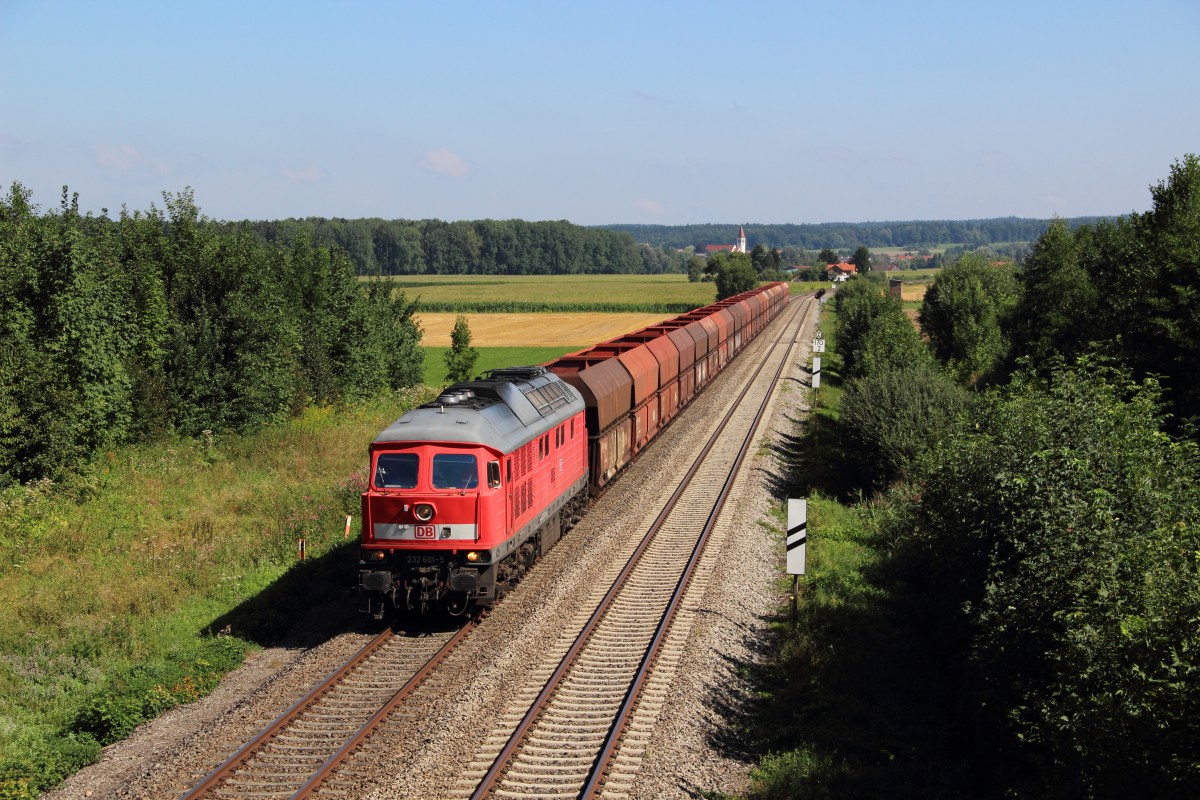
<point x="117" y="331"/>
<point x="482" y="247"/>
<point x="850" y="235"/>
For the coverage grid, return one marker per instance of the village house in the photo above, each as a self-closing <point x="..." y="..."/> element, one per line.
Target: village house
<point x="840" y="272"/>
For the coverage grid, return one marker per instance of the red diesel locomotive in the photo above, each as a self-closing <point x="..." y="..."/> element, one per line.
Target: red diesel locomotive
<point x="468" y="490"/>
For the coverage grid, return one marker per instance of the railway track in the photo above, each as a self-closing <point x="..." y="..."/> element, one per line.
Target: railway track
<point x="311" y="749"/>
<point x="294" y="754"/>
<point x="566" y="744"/>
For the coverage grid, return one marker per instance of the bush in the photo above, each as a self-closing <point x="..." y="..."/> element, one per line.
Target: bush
<point x="962" y="312"/>
<point x="144" y="691"/>
<point x="43" y="763"/>
<point x="859" y="305"/>
<point x="1059" y="536"/>
<point x="892" y="417"/>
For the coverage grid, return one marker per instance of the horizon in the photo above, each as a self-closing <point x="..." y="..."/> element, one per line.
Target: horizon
<point x="613" y="114"/>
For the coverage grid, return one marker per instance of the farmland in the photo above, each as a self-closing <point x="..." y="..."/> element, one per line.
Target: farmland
<point x="530" y="320"/>
<point x="574" y="330"/>
<point x="628" y="293"/>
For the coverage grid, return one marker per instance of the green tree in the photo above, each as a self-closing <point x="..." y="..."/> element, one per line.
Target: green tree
<point x="827" y="256"/>
<point x="962" y="312"/>
<point x="460" y="358"/>
<point x="1058" y="312"/>
<point x="1054" y="543"/>
<point x="859" y="305"/>
<point x="695" y="268"/>
<point x="862" y="259"/>
<point x="733" y="273"/>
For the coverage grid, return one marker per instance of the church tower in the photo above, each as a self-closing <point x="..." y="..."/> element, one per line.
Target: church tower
<point x="740" y="247"/>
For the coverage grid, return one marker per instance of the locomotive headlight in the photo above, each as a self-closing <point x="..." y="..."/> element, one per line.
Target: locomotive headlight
<point x="472" y="556"/>
<point x="373" y="555"/>
<point x="424" y="512"/>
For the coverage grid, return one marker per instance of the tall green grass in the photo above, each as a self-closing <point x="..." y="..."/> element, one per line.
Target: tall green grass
<point x="135" y="586"/>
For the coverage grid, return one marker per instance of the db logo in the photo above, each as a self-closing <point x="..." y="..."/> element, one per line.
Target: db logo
<point x="424" y="532"/>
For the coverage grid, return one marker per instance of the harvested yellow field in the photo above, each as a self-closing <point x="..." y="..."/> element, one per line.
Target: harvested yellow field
<point x="566" y="329"/>
<point x="915" y="292"/>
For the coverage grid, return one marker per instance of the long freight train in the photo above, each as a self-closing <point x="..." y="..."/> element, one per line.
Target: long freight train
<point x="468" y="490"/>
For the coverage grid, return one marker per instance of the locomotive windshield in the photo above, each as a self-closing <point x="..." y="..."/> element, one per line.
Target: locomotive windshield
<point x="455" y="471"/>
<point x="396" y="471"/>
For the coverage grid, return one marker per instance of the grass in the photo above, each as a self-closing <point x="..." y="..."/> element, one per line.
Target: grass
<point x="112" y="586"/>
<point x="490" y="358"/>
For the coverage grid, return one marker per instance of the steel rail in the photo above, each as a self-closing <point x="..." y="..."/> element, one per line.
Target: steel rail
<point x="230" y="765"/>
<point x="488" y="783"/>
<point x="596" y="777"/>
<point x="343" y="754"/>
<point x="227" y="768"/>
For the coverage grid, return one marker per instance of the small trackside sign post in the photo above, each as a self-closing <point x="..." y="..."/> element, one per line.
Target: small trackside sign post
<point x="816" y="372"/>
<point x="796" y="543"/>
<point x="797" y="535"/>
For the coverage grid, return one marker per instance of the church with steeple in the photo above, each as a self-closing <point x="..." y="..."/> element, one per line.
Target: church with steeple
<point x="740" y="247"/>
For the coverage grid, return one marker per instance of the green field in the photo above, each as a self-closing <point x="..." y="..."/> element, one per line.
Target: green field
<point x="560" y="292"/>
<point x="490" y="358"/>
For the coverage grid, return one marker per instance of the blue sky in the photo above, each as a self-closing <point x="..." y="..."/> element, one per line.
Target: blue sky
<point x="605" y="112"/>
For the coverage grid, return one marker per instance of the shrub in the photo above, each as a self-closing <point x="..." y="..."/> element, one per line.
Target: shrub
<point x="891" y="417"/>
<point x="143" y="691"/>
<point x="962" y="311"/>
<point x="42" y="763"/>
<point x="1059" y="534"/>
<point x="859" y="305"/>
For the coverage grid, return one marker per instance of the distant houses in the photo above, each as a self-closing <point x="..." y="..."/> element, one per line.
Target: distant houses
<point x="739" y="247"/>
<point x="840" y="272"/>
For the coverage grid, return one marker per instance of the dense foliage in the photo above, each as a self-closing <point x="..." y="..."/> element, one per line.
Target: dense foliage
<point x="482" y="247"/>
<point x="849" y="235"/>
<point x="1129" y="289"/>
<point x="732" y="272"/>
<point x="897" y="404"/>
<point x="118" y="330"/>
<point x="1054" y="542"/>
<point x="962" y="315"/>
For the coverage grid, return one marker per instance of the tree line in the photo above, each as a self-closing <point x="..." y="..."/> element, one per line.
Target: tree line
<point x="1039" y="508"/>
<point x="481" y="247"/>
<point x="850" y="235"/>
<point x="159" y="322"/>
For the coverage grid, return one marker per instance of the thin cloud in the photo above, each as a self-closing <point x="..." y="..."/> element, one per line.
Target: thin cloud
<point x="301" y="175"/>
<point x="126" y="158"/>
<point x="648" y="97"/>
<point x="444" y="162"/>
<point x="649" y="207"/>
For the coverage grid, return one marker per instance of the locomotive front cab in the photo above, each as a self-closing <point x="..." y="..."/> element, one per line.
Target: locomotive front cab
<point x="428" y="521"/>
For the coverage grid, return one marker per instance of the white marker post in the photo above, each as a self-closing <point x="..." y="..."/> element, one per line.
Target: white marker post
<point x="816" y="378"/>
<point x="797" y="538"/>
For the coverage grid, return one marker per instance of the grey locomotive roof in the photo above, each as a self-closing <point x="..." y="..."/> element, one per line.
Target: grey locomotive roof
<point x="504" y="410"/>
